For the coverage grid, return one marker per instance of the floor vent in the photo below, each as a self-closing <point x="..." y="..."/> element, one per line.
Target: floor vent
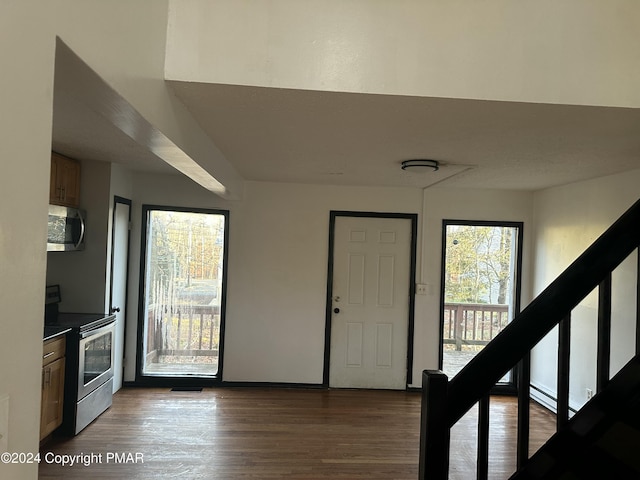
<point x="186" y="389"/>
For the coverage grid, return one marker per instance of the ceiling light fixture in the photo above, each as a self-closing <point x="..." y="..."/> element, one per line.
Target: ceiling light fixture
<point x="419" y="164"/>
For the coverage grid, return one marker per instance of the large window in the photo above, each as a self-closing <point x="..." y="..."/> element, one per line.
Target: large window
<point x="182" y="302"/>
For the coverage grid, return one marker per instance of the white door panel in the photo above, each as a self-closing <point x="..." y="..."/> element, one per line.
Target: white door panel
<point x="119" y="285"/>
<point x="370" y="309"/>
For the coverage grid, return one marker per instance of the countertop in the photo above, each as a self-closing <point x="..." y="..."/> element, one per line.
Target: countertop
<point x="53" y="331"/>
<point x="81" y="322"/>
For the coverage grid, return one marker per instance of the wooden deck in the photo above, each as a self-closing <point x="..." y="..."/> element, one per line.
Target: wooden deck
<point x="184" y="366"/>
<point x="256" y="433"/>
<point x="454" y="360"/>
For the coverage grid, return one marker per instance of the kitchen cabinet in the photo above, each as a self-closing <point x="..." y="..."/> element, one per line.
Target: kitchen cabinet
<point x="64" y="186"/>
<point x="53" y="367"/>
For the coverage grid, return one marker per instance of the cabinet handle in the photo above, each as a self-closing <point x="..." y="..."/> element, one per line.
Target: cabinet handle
<point x="64" y="193"/>
<point x="47" y="355"/>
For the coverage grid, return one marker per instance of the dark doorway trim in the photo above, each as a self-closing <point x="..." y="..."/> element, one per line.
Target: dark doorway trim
<point x="152" y="381"/>
<point x="123" y="201"/>
<point x="509" y="389"/>
<point x="413" y="217"/>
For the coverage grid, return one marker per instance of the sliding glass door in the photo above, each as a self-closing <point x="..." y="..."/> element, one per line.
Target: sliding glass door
<point x="182" y="292"/>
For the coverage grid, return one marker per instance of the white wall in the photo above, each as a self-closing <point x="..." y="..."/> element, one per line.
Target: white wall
<point x="569" y="52"/>
<point x="460" y="204"/>
<point x="123" y="40"/>
<point x="26" y="50"/>
<point x="277" y="286"/>
<point x="155" y="189"/>
<point x="567" y="220"/>
<point x="124" y="43"/>
<point x="278" y="251"/>
<point x="277" y="274"/>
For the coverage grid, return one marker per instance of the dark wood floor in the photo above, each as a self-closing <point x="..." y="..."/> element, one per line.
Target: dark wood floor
<point x="246" y="433"/>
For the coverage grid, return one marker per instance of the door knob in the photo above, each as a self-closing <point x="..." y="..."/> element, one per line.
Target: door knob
<point x="336" y="310"/>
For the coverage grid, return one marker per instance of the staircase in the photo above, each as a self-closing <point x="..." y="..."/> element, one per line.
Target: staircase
<point x="603" y="439"/>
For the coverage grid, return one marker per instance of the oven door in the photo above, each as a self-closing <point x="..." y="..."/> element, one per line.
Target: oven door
<point x="95" y="362"/>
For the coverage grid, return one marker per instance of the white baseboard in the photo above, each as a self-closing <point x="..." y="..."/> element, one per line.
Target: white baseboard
<point x="544" y="398"/>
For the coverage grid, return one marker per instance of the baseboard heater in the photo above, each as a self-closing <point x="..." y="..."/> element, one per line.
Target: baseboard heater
<point x="547" y="399"/>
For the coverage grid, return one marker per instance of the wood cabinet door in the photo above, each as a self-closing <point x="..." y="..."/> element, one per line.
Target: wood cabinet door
<point x="71" y="183"/>
<point x="52" y="397"/>
<point x="65" y="181"/>
<point x="54" y="188"/>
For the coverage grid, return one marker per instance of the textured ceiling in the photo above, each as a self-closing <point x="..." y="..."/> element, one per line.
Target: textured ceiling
<point x="314" y="137"/>
<point x="357" y="139"/>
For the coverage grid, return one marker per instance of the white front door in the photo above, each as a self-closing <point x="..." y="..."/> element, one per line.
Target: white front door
<point x="370" y="302"/>
<point x="119" y="266"/>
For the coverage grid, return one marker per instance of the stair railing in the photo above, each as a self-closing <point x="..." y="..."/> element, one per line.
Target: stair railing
<point x="445" y="402"/>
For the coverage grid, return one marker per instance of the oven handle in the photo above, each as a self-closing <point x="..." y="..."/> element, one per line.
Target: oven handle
<point x="97" y="331"/>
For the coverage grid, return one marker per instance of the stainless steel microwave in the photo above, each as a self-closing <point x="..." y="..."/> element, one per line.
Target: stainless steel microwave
<point x="66" y="229"/>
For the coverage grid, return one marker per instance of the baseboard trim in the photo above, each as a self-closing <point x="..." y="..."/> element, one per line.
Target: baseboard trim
<point x="169" y="382"/>
<point x="314" y="386"/>
<point x="547" y="399"/>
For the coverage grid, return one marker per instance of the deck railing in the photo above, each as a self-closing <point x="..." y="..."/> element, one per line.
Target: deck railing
<point x="473" y="323"/>
<point x="179" y="330"/>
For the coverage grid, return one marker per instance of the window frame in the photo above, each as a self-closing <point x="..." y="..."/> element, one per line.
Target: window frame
<point x="509" y="388"/>
<point x="182" y="381"/>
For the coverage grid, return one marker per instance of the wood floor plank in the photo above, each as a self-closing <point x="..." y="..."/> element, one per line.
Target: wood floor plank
<point x="261" y="433"/>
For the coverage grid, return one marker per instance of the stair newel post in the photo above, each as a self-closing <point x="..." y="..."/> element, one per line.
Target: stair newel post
<point x="603" y="359"/>
<point x="564" y="354"/>
<point x="524" y="389"/>
<point x="482" y="464"/>
<point x="434" y="429"/>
